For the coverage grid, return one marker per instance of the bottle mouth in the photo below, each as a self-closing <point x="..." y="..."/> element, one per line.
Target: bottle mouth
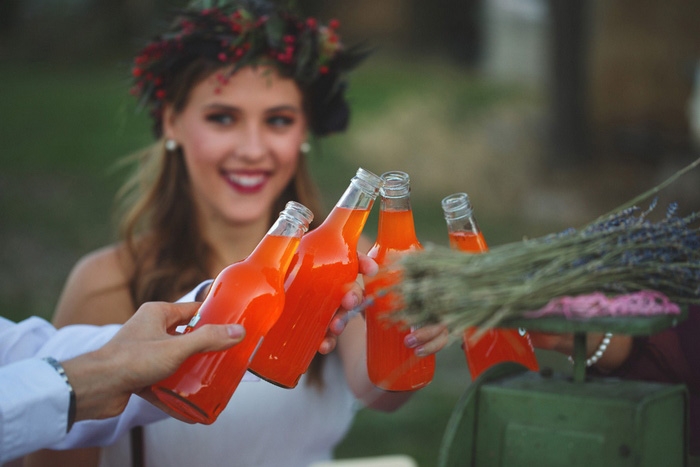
<point x="456" y="205"/>
<point x="299" y="212"/>
<point x="368" y="181"/>
<point x="396" y="184"/>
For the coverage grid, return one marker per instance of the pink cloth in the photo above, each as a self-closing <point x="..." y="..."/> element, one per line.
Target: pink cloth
<point x="643" y="303"/>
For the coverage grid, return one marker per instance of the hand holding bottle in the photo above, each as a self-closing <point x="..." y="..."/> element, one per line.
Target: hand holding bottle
<point x="141" y="353"/>
<point x="426" y="340"/>
<point x="353" y="297"/>
<point x="324" y="268"/>
<point x="249" y="292"/>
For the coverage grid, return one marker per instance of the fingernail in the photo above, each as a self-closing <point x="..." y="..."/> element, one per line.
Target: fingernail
<point x="355" y="301"/>
<point x="410" y="341"/>
<point x="420" y="352"/>
<point x="373" y="270"/>
<point x="235" y="330"/>
<point x="339" y="325"/>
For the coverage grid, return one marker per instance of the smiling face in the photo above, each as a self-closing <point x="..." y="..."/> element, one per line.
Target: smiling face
<point x="240" y="139"/>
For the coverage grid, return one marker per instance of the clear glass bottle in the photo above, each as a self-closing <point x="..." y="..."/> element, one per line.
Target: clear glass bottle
<point x="390" y="364"/>
<point x="249" y="292"/>
<point x="495" y="345"/>
<point x="324" y="264"/>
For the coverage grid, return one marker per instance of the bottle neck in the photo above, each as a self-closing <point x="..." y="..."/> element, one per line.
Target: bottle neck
<point x="396" y="227"/>
<point x="395" y="203"/>
<point x="465" y="235"/>
<point x="352" y="210"/>
<point x="287" y="226"/>
<point x="459" y="215"/>
<point x="279" y="244"/>
<point x="274" y="251"/>
<point x="348" y="222"/>
<point x="358" y="195"/>
<point x="463" y="224"/>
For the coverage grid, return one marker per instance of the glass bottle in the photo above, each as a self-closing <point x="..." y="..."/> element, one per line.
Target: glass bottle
<point x="494" y="345"/>
<point x="324" y="264"/>
<point x="250" y="293"/>
<point x="390" y="364"/>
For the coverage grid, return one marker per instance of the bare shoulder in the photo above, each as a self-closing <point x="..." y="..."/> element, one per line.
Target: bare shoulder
<point x="97" y="291"/>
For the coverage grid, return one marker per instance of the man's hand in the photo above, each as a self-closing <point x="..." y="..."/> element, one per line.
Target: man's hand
<point x="143" y="352"/>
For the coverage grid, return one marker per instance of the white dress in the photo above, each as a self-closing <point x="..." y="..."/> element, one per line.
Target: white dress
<point x="262" y="426"/>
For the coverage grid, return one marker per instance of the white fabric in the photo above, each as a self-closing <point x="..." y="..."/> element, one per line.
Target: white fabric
<point x="34" y="399"/>
<point x="33" y="407"/>
<point x="262" y="426"/>
<point x="191" y="296"/>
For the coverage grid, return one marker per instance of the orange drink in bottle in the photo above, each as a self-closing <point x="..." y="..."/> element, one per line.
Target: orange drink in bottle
<point x="390" y="364"/>
<point x="250" y="293"/>
<point x="494" y="345"/>
<point x="323" y="266"/>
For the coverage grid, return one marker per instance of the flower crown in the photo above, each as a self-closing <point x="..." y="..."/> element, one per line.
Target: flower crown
<point x="247" y="32"/>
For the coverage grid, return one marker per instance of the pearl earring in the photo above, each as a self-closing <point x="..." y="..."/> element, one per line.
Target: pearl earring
<point x="170" y="144"/>
<point x="305" y="147"/>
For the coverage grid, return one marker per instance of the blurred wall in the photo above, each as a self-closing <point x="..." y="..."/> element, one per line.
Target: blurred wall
<point x="516" y="47"/>
<point x="643" y="58"/>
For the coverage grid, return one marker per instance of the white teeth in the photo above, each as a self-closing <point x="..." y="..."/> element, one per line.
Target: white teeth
<point x="246" y="180"/>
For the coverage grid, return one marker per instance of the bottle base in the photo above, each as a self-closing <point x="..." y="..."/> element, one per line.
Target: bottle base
<point x="182" y="406"/>
<point x="389" y="388"/>
<point x="276" y="383"/>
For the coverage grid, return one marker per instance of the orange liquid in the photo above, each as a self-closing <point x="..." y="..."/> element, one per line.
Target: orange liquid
<point x="469" y="242"/>
<point x="495" y="345"/>
<point x="249" y="293"/>
<point x="324" y="264"/>
<point x="390" y="364"/>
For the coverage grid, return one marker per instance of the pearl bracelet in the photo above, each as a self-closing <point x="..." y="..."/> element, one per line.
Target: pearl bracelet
<point x="593" y="359"/>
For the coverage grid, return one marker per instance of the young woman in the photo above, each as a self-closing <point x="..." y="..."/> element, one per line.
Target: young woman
<point x="234" y="91"/>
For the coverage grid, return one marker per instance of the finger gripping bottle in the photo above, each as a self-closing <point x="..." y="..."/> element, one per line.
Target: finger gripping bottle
<point x="494" y="345"/>
<point x="390" y="364"/>
<point x="250" y="293"/>
<point x="325" y="263"/>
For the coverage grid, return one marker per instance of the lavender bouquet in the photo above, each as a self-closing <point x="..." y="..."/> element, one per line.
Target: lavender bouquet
<point x="620" y="259"/>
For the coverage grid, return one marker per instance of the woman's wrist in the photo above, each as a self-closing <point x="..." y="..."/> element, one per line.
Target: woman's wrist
<point x="616" y="354"/>
<point x="595" y="353"/>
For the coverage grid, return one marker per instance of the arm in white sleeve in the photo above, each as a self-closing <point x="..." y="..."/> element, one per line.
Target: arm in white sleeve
<point x="34" y="399"/>
<point x="138" y="411"/>
<point x="33" y="407"/>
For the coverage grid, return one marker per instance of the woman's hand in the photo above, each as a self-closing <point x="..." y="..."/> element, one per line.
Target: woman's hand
<point x="428" y="339"/>
<point x="563" y="343"/>
<point x="352" y="298"/>
<point x="613" y="355"/>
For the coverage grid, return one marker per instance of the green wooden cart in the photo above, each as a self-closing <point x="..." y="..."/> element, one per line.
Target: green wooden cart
<point x="513" y="417"/>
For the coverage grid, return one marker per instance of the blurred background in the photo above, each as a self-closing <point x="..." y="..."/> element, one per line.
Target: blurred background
<point x="548" y="113"/>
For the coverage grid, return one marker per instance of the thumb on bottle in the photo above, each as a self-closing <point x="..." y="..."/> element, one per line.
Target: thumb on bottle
<point x="212" y="337"/>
